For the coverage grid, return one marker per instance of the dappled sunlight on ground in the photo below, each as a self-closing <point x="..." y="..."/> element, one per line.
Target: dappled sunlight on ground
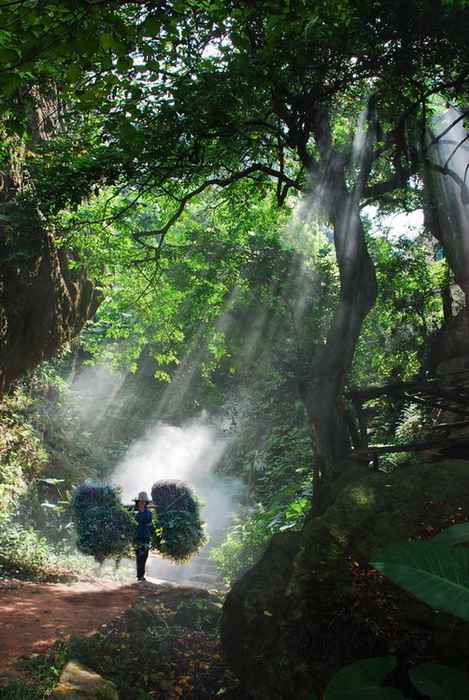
<point x="33" y="616"/>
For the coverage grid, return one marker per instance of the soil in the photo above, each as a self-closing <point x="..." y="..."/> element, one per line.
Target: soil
<point x="33" y="616"/>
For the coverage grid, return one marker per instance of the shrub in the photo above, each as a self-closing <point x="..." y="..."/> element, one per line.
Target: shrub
<point x="243" y="547"/>
<point x="250" y="534"/>
<point x="24" y="551"/>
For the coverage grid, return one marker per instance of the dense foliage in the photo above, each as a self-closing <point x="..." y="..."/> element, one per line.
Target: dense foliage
<point x="104" y="527"/>
<point x="34" y="528"/>
<point x="260" y="100"/>
<point x="178" y="530"/>
<point x="155" y="144"/>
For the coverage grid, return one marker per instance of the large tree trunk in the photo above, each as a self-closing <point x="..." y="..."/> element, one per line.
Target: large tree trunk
<point x="322" y="390"/>
<point x="44" y="300"/>
<point x="44" y="303"/>
<point x="446" y="207"/>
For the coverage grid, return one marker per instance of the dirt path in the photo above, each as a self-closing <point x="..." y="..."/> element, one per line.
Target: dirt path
<point x="178" y="654"/>
<point x="33" y="616"/>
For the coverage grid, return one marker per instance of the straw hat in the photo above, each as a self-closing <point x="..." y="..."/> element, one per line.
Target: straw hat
<point x="142" y="496"/>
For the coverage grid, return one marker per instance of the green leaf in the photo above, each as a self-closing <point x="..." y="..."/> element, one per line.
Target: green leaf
<point x="8" y="55"/>
<point x="150" y="27"/>
<point x="124" y="63"/>
<point x="73" y="72"/>
<point x="106" y="41"/>
<point x="51" y="481"/>
<point x="453" y="535"/>
<point x="16" y="125"/>
<point x="433" y="572"/>
<point x="440" y="682"/>
<point x="153" y="65"/>
<point x="9" y="83"/>
<point x="361" y="681"/>
<point x="127" y="129"/>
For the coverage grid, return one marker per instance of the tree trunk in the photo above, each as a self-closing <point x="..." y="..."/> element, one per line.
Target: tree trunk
<point x="44" y="300"/>
<point x="322" y="390"/>
<point x="446" y="208"/>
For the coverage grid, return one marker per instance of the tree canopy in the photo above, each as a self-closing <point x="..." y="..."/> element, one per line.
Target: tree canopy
<point x="150" y="113"/>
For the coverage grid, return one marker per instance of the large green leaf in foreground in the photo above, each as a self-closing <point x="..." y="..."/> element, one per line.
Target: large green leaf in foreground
<point x="361" y="681"/>
<point x="456" y="534"/>
<point x="440" y="682"/>
<point x="436" y="573"/>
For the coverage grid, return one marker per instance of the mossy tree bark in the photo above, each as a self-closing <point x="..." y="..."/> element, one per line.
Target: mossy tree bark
<point x="322" y="390"/>
<point x="44" y="299"/>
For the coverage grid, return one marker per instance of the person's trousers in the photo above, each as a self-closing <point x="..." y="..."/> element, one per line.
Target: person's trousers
<point x="141" y="554"/>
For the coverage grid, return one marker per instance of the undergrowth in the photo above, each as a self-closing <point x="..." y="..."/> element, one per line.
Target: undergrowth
<point x="36" y="464"/>
<point x="25" y="554"/>
<point x="250" y="534"/>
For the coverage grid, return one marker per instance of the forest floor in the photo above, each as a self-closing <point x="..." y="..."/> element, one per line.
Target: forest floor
<point x="152" y="639"/>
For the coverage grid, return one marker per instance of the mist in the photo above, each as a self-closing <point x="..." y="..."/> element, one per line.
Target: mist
<point x="189" y="452"/>
<point x="93" y="391"/>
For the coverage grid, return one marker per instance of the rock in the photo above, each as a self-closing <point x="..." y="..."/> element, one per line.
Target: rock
<point x="313" y="604"/>
<point x="197" y="614"/>
<point x="79" y="683"/>
<point x="445" y="351"/>
<point x="142" y="616"/>
<point x="44" y="299"/>
<point x="193" y="608"/>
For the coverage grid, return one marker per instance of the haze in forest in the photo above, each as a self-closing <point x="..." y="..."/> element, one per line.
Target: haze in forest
<point x="253" y="218"/>
<point x="189" y="452"/>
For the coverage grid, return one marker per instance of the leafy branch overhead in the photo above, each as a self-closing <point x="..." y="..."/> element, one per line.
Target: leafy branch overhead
<point x="179" y="103"/>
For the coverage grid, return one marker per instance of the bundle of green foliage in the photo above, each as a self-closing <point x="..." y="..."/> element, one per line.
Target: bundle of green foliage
<point x="104" y="527"/>
<point x="174" y="495"/>
<point x="179" y="532"/>
<point x="92" y="494"/>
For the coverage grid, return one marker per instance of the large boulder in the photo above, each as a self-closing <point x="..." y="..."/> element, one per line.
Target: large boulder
<point x="313" y="604"/>
<point x="44" y="299"/>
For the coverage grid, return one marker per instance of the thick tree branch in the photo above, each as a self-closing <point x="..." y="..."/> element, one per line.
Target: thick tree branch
<point x="219" y="182"/>
<point x="435" y="139"/>
<point x="444" y="170"/>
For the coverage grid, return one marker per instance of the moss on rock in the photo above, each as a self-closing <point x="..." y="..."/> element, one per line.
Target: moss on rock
<point x="77" y="683"/>
<point x="313" y="603"/>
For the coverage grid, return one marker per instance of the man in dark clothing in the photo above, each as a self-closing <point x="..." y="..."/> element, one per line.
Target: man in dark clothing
<point x="143" y="516"/>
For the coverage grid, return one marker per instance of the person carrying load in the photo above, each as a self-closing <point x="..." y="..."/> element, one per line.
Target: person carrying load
<point x="143" y="516"/>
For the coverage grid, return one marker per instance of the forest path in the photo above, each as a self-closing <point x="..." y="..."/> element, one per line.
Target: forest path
<point x="155" y="637"/>
<point x="34" y="615"/>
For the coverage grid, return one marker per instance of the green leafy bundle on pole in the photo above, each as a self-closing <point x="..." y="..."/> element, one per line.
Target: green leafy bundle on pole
<point x="104" y="527"/>
<point x="179" y="531"/>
